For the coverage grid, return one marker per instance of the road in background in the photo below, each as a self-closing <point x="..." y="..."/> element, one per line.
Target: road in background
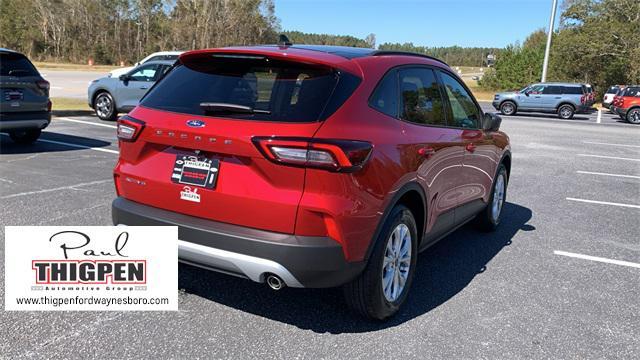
<point x="535" y="288"/>
<point x="70" y="84"/>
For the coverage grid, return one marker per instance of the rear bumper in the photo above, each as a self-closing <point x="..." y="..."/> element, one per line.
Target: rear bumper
<point x="24" y="121"/>
<point x="300" y="261"/>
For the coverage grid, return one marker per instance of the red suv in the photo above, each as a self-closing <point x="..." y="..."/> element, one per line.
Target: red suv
<point x="627" y="104"/>
<point x="311" y="166"/>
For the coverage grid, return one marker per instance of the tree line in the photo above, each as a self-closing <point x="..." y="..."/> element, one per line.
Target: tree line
<point x="597" y="42"/>
<point x="453" y="55"/>
<point x="111" y="31"/>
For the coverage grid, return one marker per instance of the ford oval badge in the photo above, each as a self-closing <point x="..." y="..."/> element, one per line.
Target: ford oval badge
<point x="195" y="123"/>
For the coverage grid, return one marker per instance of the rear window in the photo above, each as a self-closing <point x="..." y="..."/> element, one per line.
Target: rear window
<point x="573" y="90"/>
<point x="16" y="65"/>
<point x="265" y="89"/>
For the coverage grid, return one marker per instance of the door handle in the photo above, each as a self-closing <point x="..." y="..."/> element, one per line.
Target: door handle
<point x="558" y="97"/>
<point x="537" y="97"/>
<point x="144" y="87"/>
<point x="426" y="152"/>
<point x="470" y="147"/>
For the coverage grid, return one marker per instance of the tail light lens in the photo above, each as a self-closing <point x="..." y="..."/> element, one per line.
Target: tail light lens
<point x="49" y="104"/>
<point x="129" y="128"/>
<point x="332" y="155"/>
<point x="583" y="99"/>
<point x="43" y="84"/>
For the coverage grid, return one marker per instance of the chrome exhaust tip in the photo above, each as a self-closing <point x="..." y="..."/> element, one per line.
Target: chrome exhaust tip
<point x="274" y="282"/>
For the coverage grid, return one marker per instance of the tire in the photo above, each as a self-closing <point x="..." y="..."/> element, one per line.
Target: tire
<point x="105" y="106"/>
<point x="633" y="116"/>
<point x="25" y="136"/>
<point x="566" y="111"/>
<point x="489" y="218"/>
<point x="367" y="294"/>
<point x="508" y="108"/>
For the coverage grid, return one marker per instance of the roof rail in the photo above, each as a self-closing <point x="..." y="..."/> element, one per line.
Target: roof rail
<point x="405" y="53"/>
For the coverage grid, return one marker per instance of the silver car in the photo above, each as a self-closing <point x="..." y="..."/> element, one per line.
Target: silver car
<point x="109" y="96"/>
<point x="564" y="99"/>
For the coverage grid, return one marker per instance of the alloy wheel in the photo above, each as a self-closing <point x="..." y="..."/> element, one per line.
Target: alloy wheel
<point x="507" y="108"/>
<point x="634" y="116"/>
<point x="498" y="198"/>
<point x="397" y="262"/>
<point x="104" y="106"/>
<point x="565" y="112"/>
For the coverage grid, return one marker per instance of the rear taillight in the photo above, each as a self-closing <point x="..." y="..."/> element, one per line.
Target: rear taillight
<point x="129" y="128"/>
<point x="332" y="155"/>
<point x="43" y="84"/>
<point x="583" y="99"/>
<point x="49" y="105"/>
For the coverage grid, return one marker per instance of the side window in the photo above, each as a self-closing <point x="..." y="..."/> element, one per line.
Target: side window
<point x="421" y="100"/>
<point x="144" y="73"/>
<point x="464" y="110"/>
<point x="535" y="89"/>
<point x="385" y="97"/>
<point x="573" y="90"/>
<point x="155" y="58"/>
<point x="552" y="90"/>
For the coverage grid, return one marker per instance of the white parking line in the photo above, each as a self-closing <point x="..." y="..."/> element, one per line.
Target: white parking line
<point x="607" y="174"/>
<point x="604" y="203"/>
<point x="79" y="146"/>
<point x="608" y="157"/>
<point x="599" y="118"/>
<point x="86" y="122"/>
<point x="71" y="187"/>
<point x="596" y="258"/>
<point x="610" y="144"/>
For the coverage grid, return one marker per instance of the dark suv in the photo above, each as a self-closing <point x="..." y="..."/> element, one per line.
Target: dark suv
<point x="311" y="166"/>
<point x="25" y="108"/>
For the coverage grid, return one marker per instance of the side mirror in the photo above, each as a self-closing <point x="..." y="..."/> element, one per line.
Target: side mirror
<point x="124" y="77"/>
<point x="491" y="122"/>
<point x="526" y="93"/>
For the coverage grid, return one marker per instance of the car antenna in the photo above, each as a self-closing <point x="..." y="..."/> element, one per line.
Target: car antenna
<point x="284" y="41"/>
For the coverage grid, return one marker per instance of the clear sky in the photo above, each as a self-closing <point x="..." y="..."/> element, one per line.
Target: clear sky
<point x="490" y="23"/>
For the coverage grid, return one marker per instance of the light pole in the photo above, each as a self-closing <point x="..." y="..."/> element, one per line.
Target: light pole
<point x="545" y="64"/>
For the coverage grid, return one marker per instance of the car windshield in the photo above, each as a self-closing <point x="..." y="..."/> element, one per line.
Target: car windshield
<point x="612" y="90"/>
<point x="16" y="65"/>
<point x="264" y="89"/>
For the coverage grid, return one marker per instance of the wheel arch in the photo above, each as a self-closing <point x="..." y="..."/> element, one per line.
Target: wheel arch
<point x="511" y="101"/>
<point x="413" y="197"/>
<point x="566" y="103"/>
<point x="506" y="161"/>
<point x="98" y="92"/>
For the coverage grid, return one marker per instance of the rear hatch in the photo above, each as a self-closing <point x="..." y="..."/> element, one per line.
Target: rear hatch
<point x="22" y="89"/>
<point x="203" y="118"/>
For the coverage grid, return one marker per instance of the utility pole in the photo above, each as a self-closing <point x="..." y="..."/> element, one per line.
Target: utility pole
<point x="545" y="64"/>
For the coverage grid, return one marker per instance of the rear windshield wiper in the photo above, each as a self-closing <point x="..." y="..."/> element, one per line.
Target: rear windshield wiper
<point x="230" y="108"/>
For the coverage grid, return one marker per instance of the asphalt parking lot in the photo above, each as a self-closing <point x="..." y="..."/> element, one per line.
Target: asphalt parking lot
<point x="559" y="279"/>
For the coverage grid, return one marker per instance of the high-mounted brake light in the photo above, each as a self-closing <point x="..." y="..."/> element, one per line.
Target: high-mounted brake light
<point x="332" y="155"/>
<point x="129" y="128"/>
